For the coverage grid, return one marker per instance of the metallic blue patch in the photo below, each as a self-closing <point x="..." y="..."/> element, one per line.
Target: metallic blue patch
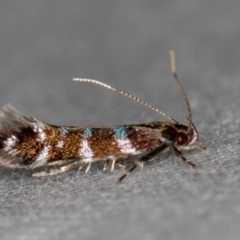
<point x="63" y="131"/>
<point x="120" y="133"/>
<point x="87" y="132"/>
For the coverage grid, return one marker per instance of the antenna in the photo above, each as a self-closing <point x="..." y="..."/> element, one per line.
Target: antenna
<point x="174" y="71"/>
<point x="126" y="94"/>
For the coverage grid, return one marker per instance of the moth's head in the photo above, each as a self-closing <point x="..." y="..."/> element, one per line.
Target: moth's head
<point x="186" y="137"/>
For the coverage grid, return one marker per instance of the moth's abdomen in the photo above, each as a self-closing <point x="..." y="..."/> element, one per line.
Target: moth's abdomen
<point x="27" y="142"/>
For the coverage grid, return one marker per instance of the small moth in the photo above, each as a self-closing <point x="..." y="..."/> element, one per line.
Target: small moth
<point x="26" y="142"/>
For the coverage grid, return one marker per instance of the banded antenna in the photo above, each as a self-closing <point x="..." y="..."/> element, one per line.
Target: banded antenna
<point x="126" y="94"/>
<point x="173" y="69"/>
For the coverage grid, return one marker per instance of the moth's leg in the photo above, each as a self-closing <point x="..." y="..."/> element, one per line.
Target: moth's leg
<point x="120" y="165"/>
<point x="85" y="164"/>
<point x="194" y="147"/>
<point x="110" y="164"/>
<point x="58" y="162"/>
<point x="126" y="174"/>
<point x="58" y="170"/>
<point x="146" y="158"/>
<point x="106" y="165"/>
<point x="179" y="154"/>
<point x="88" y="167"/>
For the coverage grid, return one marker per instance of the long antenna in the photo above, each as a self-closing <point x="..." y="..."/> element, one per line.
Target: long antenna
<point x="174" y="71"/>
<point x="126" y="94"/>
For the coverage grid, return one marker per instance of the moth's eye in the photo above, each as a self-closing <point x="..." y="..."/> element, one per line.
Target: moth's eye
<point x="182" y="138"/>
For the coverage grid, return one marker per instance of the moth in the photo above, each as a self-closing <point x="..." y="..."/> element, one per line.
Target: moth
<point x="26" y="142"/>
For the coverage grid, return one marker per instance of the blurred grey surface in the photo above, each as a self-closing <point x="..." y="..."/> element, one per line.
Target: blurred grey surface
<point x="44" y="44"/>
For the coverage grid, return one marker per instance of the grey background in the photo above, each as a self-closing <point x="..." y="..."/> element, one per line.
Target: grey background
<point x="125" y="44"/>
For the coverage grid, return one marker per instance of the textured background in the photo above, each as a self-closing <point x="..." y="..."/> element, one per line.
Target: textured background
<point x="125" y="44"/>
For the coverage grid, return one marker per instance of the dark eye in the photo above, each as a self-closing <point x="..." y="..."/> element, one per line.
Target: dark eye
<point x="182" y="138"/>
